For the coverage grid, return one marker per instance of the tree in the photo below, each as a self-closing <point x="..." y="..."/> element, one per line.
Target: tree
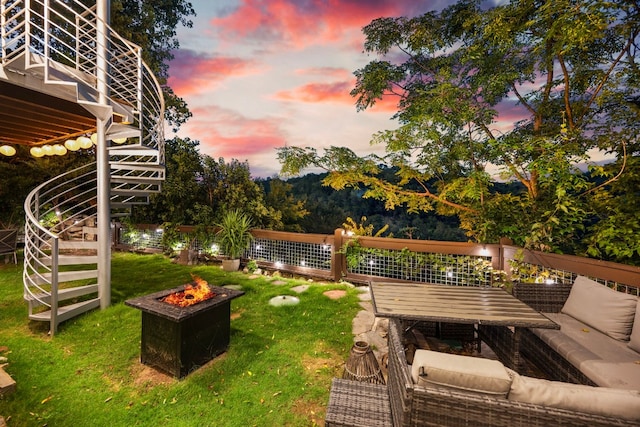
<point x="151" y="24"/>
<point x="180" y="198"/>
<point x="569" y="64"/>
<point x="279" y="198"/>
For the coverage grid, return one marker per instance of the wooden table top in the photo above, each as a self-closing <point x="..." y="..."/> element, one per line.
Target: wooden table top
<point x="454" y="304"/>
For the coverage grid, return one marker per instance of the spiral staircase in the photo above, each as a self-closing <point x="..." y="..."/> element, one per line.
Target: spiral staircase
<point x="87" y="80"/>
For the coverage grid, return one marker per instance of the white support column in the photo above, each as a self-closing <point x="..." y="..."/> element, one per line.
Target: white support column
<point x="102" y="161"/>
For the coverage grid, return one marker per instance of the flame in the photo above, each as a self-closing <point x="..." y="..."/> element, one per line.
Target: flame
<point x="192" y="294"/>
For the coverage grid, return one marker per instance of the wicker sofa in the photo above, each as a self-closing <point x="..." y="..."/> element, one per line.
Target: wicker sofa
<point x="578" y="352"/>
<point x="416" y="405"/>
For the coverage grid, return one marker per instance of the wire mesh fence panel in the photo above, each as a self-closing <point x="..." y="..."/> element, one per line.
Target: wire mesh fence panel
<point x="459" y="270"/>
<point x="297" y="254"/>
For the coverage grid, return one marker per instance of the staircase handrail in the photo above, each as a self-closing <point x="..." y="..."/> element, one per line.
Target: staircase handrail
<point x="42" y="242"/>
<point x="65" y="33"/>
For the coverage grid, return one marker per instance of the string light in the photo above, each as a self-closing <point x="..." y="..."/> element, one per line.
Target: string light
<point x="59" y="150"/>
<point x="47" y="150"/>
<point x="7" y="150"/>
<point x="85" y="142"/>
<point x="37" y="151"/>
<point x="72" y="145"/>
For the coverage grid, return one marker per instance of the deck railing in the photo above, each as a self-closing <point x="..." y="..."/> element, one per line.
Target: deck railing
<point x="363" y="259"/>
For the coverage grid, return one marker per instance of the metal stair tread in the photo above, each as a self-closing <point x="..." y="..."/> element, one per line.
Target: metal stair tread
<point x="72" y="260"/>
<point x="68" y="311"/>
<point x="64" y="294"/>
<point x="78" y="244"/>
<point x="68" y="276"/>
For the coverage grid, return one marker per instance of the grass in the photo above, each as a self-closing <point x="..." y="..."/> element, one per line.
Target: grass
<point x="276" y="372"/>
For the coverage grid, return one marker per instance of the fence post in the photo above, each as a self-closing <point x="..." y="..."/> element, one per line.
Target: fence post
<point x="504" y="265"/>
<point x="337" y="258"/>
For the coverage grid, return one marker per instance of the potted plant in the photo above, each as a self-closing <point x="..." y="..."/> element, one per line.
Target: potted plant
<point x="234" y="237"/>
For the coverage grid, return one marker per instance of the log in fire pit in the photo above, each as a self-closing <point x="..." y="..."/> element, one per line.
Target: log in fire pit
<point x="185" y="327"/>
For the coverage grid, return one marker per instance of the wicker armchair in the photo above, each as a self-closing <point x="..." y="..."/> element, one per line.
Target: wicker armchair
<point x="9" y="243"/>
<point x="413" y="405"/>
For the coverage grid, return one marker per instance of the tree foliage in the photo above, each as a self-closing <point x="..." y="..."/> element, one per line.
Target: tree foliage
<point x="569" y="65"/>
<point x="200" y="190"/>
<point x="152" y="24"/>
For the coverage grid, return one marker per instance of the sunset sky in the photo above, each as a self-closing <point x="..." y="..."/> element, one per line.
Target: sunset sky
<point x="263" y="74"/>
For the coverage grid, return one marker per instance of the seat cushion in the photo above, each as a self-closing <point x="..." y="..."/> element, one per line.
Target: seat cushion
<point x="463" y="373"/>
<point x="606" y="361"/>
<point x="602" y="308"/>
<point x="574" y="397"/>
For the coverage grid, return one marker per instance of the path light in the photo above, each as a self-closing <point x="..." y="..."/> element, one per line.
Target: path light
<point x="37" y="151"/>
<point x="72" y="145"/>
<point x="85" y="142"/>
<point x="7" y="150"/>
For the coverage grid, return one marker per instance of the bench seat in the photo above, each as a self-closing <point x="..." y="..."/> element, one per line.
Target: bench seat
<point x="605" y="361"/>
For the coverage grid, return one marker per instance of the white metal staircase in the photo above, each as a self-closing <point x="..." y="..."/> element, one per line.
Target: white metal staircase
<point x="55" y="47"/>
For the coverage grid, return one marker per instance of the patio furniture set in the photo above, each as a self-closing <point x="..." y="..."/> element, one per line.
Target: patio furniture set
<point x="597" y="347"/>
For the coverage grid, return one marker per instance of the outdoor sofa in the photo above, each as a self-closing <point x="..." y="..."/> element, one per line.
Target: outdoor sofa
<point x="441" y="389"/>
<point x="598" y="342"/>
<point x="417" y="403"/>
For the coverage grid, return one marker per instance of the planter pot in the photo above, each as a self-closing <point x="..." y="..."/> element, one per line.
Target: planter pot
<point x="231" y="264"/>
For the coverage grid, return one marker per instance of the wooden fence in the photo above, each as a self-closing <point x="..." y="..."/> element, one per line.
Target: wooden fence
<point x="381" y="258"/>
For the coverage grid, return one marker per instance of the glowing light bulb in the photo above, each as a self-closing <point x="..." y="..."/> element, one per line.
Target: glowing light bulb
<point x="72" y="145"/>
<point x="36" y="151"/>
<point x="94" y="138"/>
<point x="48" y="150"/>
<point x="59" y="150"/>
<point x="85" y="142"/>
<point x="7" y="150"/>
<point x="119" y="140"/>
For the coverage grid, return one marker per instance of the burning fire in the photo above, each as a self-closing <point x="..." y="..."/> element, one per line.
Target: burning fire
<point x="192" y="294"/>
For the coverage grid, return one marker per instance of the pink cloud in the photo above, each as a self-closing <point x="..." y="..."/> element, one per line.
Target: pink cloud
<point x="300" y="23"/>
<point x="228" y="134"/>
<point x="333" y="72"/>
<point x="319" y="92"/>
<point x="190" y="72"/>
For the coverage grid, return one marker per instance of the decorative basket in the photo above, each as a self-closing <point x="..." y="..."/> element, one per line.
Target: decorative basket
<point x="362" y="365"/>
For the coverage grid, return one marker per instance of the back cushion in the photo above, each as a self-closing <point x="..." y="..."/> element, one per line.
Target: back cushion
<point x="611" y="312"/>
<point x="604" y="401"/>
<point x="634" y="343"/>
<point x="462" y="373"/>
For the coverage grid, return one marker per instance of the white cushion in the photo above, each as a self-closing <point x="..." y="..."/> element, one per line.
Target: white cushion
<point x="611" y="312"/>
<point x="464" y="373"/>
<point x="634" y="341"/>
<point x="604" y="401"/>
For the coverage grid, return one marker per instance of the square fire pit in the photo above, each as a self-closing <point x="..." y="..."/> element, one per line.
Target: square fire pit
<point x="178" y="340"/>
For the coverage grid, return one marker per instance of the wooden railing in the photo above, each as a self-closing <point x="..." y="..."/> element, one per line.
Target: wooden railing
<point x="460" y="263"/>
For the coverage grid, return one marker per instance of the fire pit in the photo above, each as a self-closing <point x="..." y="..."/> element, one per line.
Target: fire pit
<point x="185" y="327"/>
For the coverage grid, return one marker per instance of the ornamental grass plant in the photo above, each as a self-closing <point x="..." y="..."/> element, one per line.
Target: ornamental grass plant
<point x="277" y="370"/>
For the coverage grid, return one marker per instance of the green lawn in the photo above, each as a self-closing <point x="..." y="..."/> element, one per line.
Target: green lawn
<point x="276" y="372"/>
